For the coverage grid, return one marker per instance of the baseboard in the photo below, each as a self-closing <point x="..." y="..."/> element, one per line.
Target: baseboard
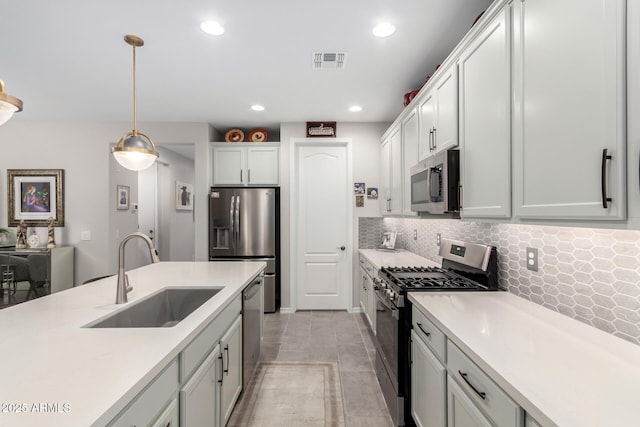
<point x="355" y="310"/>
<point x="286" y="310"/>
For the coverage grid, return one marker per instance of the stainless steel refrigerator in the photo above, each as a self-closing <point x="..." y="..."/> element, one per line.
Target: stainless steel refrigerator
<point x="244" y="224"/>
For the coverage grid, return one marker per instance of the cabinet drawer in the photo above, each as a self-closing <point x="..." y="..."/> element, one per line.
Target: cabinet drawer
<point x="431" y="335"/>
<point x="192" y="356"/>
<point x="368" y="267"/>
<point x="482" y="390"/>
<point x="148" y="404"/>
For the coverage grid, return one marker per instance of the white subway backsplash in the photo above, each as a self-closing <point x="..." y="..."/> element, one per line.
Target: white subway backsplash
<point x="592" y="275"/>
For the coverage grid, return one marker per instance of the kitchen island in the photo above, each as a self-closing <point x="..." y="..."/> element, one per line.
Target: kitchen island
<point x="57" y="372"/>
<point x="560" y="371"/>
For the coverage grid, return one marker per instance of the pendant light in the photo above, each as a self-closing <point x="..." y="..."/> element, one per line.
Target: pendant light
<point x="8" y="105"/>
<point x="135" y="150"/>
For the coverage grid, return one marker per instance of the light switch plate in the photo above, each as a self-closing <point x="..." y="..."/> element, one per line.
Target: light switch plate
<point x="532" y="259"/>
<point x="438" y="239"/>
<point x="415" y="234"/>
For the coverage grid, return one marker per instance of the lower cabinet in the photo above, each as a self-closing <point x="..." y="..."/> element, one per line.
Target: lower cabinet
<point x="368" y="300"/>
<point x="169" y="418"/>
<point x="428" y="386"/>
<point x="461" y="410"/>
<point x="231" y="379"/>
<point x="199" y="395"/>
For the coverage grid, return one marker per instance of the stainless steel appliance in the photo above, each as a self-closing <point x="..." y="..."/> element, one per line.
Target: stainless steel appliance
<point x="252" y="309"/>
<point x="435" y="183"/>
<point x="244" y="224"/>
<point x="465" y="267"/>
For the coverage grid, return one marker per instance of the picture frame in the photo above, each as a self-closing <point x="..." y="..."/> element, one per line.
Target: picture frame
<point x="372" y="193"/>
<point x="321" y="129"/>
<point x="123" y="193"/>
<point x="34" y="196"/>
<point x="358" y="187"/>
<point x="184" y="196"/>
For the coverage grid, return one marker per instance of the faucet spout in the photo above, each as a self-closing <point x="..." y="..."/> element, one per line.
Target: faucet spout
<point x="123" y="281"/>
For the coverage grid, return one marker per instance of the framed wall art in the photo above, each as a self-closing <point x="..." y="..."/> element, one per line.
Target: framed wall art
<point x="34" y="196"/>
<point x="184" y="196"/>
<point x="122" y="197"/>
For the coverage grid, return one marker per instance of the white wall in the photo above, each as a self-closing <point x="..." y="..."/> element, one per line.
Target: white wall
<point x="82" y="150"/>
<point x="366" y="168"/>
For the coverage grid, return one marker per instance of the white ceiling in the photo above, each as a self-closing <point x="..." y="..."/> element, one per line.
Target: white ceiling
<point x="66" y="59"/>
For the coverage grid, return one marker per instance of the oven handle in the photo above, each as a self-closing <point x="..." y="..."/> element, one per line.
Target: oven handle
<point x="395" y="313"/>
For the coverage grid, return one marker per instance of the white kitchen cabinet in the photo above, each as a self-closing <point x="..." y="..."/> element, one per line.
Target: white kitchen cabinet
<point x="461" y="411"/>
<point x="231" y="380"/>
<point x="569" y="109"/>
<point x="409" y="157"/>
<point x="391" y="172"/>
<point x="364" y="295"/>
<point x="251" y="164"/>
<point x="439" y="114"/>
<point x="151" y="402"/>
<point x="367" y="292"/>
<point x="170" y="416"/>
<point x="428" y="386"/>
<point x="485" y="121"/>
<point x="530" y="422"/>
<point x="199" y="396"/>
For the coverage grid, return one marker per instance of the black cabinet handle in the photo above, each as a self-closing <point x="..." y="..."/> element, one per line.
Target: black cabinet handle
<point x="226" y="349"/>
<point x="221" y="369"/>
<point x="482" y="395"/>
<point x="603" y="179"/>
<point x="423" y="331"/>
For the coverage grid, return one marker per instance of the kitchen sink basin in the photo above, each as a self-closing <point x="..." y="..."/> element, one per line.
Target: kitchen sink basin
<point x="163" y="309"/>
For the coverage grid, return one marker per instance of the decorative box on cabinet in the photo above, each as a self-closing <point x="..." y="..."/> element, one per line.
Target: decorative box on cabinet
<point x="570" y="109"/>
<point x="439" y="114"/>
<point x="246" y="164"/>
<point x="485" y="121"/>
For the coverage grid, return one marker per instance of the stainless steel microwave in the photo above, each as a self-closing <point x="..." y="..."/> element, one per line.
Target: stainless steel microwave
<point x="435" y="183"/>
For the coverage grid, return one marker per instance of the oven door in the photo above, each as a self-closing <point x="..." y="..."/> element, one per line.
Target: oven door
<point x="387" y="335"/>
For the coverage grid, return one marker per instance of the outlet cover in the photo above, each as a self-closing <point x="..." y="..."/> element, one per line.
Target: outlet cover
<point x="415" y="234"/>
<point x="438" y="239"/>
<point x="532" y="259"/>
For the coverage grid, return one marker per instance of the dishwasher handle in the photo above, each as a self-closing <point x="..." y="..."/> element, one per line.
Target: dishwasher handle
<point x="252" y="289"/>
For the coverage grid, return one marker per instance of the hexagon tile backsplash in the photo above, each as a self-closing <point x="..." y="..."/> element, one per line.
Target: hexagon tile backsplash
<point x="592" y="275"/>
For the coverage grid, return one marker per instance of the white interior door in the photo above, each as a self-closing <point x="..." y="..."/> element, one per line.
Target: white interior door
<point x="322" y="213"/>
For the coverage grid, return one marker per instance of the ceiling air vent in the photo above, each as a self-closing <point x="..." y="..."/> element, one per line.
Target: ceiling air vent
<point x="326" y="60"/>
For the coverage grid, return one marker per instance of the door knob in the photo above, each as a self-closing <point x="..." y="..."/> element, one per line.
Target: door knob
<point x="342" y="248"/>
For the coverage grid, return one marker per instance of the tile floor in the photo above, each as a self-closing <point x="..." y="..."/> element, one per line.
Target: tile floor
<point x="332" y="336"/>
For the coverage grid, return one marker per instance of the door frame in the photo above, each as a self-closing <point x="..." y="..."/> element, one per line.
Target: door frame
<point x="293" y="220"/>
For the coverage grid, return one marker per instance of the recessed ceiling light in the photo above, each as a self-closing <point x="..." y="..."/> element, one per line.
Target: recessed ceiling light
<point x="384" y="29"/>
<point x="212" y="28"/>
<point x="355" y="108"/>
<point x="257" y="107"/>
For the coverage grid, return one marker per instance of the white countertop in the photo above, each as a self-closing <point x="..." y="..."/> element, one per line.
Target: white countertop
<point x="46" y="356"/>
<point x="397" y="258"/>
<point x="561" y="371"/>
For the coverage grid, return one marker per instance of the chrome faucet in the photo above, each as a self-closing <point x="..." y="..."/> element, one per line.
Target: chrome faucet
<point x="123" y="279"/>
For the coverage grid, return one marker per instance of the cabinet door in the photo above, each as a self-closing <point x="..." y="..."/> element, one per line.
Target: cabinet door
<point x="485" y="119"/>
<point x="371" y="305"/>
<point x="385" y="177"/>
<point x="396" y="173"/>
<point x="445" y="130"/>
<point x="410" y="157"/>
<point x="427" y="121"/>
<point x="363" y="291"/>
<point x="228" y="165"/>
<point x="428" y="386"/>
<point x="262" y="166"/>
<point x="569" y="91"/>
<point x="462" y="412"/>
<point x="169" y="417"/>
<point x="199" y="396"/>
<point x="231" y="351"/>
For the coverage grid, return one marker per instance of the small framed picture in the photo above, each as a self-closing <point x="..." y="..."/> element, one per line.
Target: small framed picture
<point x="358" y="187"/>
<point x="359" y="201"/>
<point x="321" y="129"/>
<point x="122" y="194"/>
<point x="372" y="193"/>
<point x="184" y="196"/>
<point x="34" y="196"/>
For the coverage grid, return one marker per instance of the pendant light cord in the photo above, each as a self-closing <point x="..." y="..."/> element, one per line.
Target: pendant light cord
<point x="135" y="125"/>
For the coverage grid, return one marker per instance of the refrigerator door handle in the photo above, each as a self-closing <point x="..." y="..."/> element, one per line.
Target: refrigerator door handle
<point x="238" y="216"/>
<point x="231" y="215"/>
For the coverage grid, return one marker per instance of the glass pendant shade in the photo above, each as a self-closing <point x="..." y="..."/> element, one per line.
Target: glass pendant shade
<point x="135" y="150"/>
<point x="8" y="105"/>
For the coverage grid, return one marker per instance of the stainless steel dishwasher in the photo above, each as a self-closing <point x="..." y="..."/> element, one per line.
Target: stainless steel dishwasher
<point x="252" y="311"/>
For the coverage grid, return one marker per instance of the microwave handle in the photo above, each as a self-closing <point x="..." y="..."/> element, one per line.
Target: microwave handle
<point x="430" y="139"/>
<point x="434" y="138"/>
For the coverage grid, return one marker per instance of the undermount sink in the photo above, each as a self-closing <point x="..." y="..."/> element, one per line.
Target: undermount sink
<point x="163" y="309"/>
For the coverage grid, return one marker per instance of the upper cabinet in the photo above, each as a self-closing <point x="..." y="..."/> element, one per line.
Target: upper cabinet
<point x="246" y="164"/>
<point x="439" y="114"/>
<point x="391" y="172"/>
<point x="409" y="158"/>
<point x="485" y="121"/>
<point x="569" y="109"/>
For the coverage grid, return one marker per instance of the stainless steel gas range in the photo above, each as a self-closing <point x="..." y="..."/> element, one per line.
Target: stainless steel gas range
<point x="465" y="267"/>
